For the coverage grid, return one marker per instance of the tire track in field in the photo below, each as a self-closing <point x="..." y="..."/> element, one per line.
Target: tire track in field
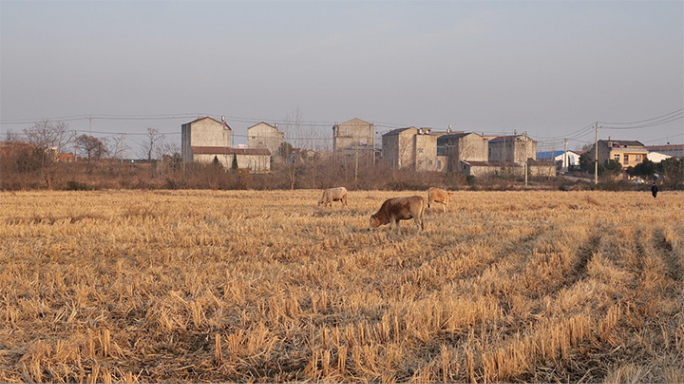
<point x="584" y="255"/>
<point x="666" y="250"/>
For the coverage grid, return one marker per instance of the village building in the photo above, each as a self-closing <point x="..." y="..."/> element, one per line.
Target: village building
<point x="485" y="168"/>
<point x="455" y="148"/>
<point x="657" y="157"/>
<point x="410" y="148"/>
<point x="673" y="150"/>
<point x="204" y="132"/>
<point x="264" y="135"/>
<point x="627" y="152"/>
<point x="512" y="149"/>
<point x="206" y="139"/>
<point x="562" y="158"/>
<point x="254" y="159"/>
<point x="354" y="138"/>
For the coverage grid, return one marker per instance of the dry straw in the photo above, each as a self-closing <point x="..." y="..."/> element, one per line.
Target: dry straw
<point x="208" y="286"/>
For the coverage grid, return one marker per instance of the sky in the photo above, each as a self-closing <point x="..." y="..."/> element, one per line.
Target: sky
<point x="551" y="69"/>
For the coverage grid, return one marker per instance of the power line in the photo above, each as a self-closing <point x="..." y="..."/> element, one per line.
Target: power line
<point x="678" y="111"/>
<point x="649" y="125"/>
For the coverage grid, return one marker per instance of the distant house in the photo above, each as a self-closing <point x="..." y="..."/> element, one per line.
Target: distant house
<point x="673" y="150"/>
<point x="657" y="157"/>
<point x="254" y="159"/>
<point x="454" y="148"/>
<point x="354" y="137"/>
<point x="484" y="168"/>
<point x="560" y="157"/>
<point x="204" y="132"/>
<point x="410" y="148"/>
<point x="512" y="149"/>
<point x="627" y="152"/>
<point x="264" y="135"/>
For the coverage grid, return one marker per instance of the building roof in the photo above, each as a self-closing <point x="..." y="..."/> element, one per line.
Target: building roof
<point x="230" y="151"/>
<point x="622" y="143"/>
<point x="397" y="131"/>
<point x="354" y="121"/>
<point x="499" y="139"/>
<point x="454" y="135"/>
<point x="272" y="126"/>
<point x="552" y="154"/>
<point x="225" y="124"/>
<point x="669" y="147"/>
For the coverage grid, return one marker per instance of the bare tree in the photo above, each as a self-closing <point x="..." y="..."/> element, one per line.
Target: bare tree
<point x="49" y="139"/>
<point x="154" y="139"/>
<point x="116" y="147"/>
<point x="91" y="148"/>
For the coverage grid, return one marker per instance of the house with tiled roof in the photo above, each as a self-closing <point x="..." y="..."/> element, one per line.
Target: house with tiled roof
<point x="206" y="139"/>
<point x="627" y="152"/>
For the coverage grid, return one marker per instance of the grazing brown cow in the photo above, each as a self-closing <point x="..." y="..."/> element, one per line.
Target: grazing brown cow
<point x="400" y="208"/>
<point x="439" y="196"/>
<point x="333" y="194"/>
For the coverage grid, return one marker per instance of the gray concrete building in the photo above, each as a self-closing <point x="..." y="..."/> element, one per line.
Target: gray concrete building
<point x="512" y="149"/>
<point x="204" y="132"/>
<point x="264" y="135"/>
<point x="352" y="136"/>
<point x="453" y="149"/>
<point x="410" y="148"/>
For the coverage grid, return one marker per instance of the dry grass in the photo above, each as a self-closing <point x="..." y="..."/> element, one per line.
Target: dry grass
<point x="195" y="286"/>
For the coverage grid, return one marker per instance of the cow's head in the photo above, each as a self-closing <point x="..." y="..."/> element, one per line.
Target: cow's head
<point x="374" y="222"/>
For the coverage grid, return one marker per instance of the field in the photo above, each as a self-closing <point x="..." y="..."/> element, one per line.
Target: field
<point x="245" y="286"/>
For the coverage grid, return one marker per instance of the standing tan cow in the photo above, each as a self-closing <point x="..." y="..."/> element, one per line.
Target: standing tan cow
<point x="439" y="196"/>
<point x="333" y="194"/>
<point x="400" y="208"/>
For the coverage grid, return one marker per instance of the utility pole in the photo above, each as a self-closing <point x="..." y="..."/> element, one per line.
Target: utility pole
<point x="565" y="156"/>
<point x="122" y="148"/>
<point x="75" y="144"/>
<point x="596" y="156"/>
<point x="90" y="118"/>
<point x="356" y="168"/>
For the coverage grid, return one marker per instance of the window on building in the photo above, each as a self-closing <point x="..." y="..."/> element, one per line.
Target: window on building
<point x="617" y="158"/>
<point x="626" y="160"/>
<point x="637" y="158"/>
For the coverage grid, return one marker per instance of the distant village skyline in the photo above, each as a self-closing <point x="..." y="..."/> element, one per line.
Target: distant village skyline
<point x="546" y="68"/>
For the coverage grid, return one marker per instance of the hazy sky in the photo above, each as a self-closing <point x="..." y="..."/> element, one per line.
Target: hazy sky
<point x="548" y="68"/>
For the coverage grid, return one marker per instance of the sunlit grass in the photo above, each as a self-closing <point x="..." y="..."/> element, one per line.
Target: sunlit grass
<point x="206" y="286"/>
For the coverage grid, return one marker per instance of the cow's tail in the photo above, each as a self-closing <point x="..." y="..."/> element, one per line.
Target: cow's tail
<point x="429" y="198"/>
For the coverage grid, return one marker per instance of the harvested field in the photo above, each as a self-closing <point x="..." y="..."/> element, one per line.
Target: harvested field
<point x="244" y="286"/>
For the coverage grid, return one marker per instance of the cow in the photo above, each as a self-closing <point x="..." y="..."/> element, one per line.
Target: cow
<point x="399" y="208"/>
<point x="333" y="194"/>
<point x="439" y="196"/>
